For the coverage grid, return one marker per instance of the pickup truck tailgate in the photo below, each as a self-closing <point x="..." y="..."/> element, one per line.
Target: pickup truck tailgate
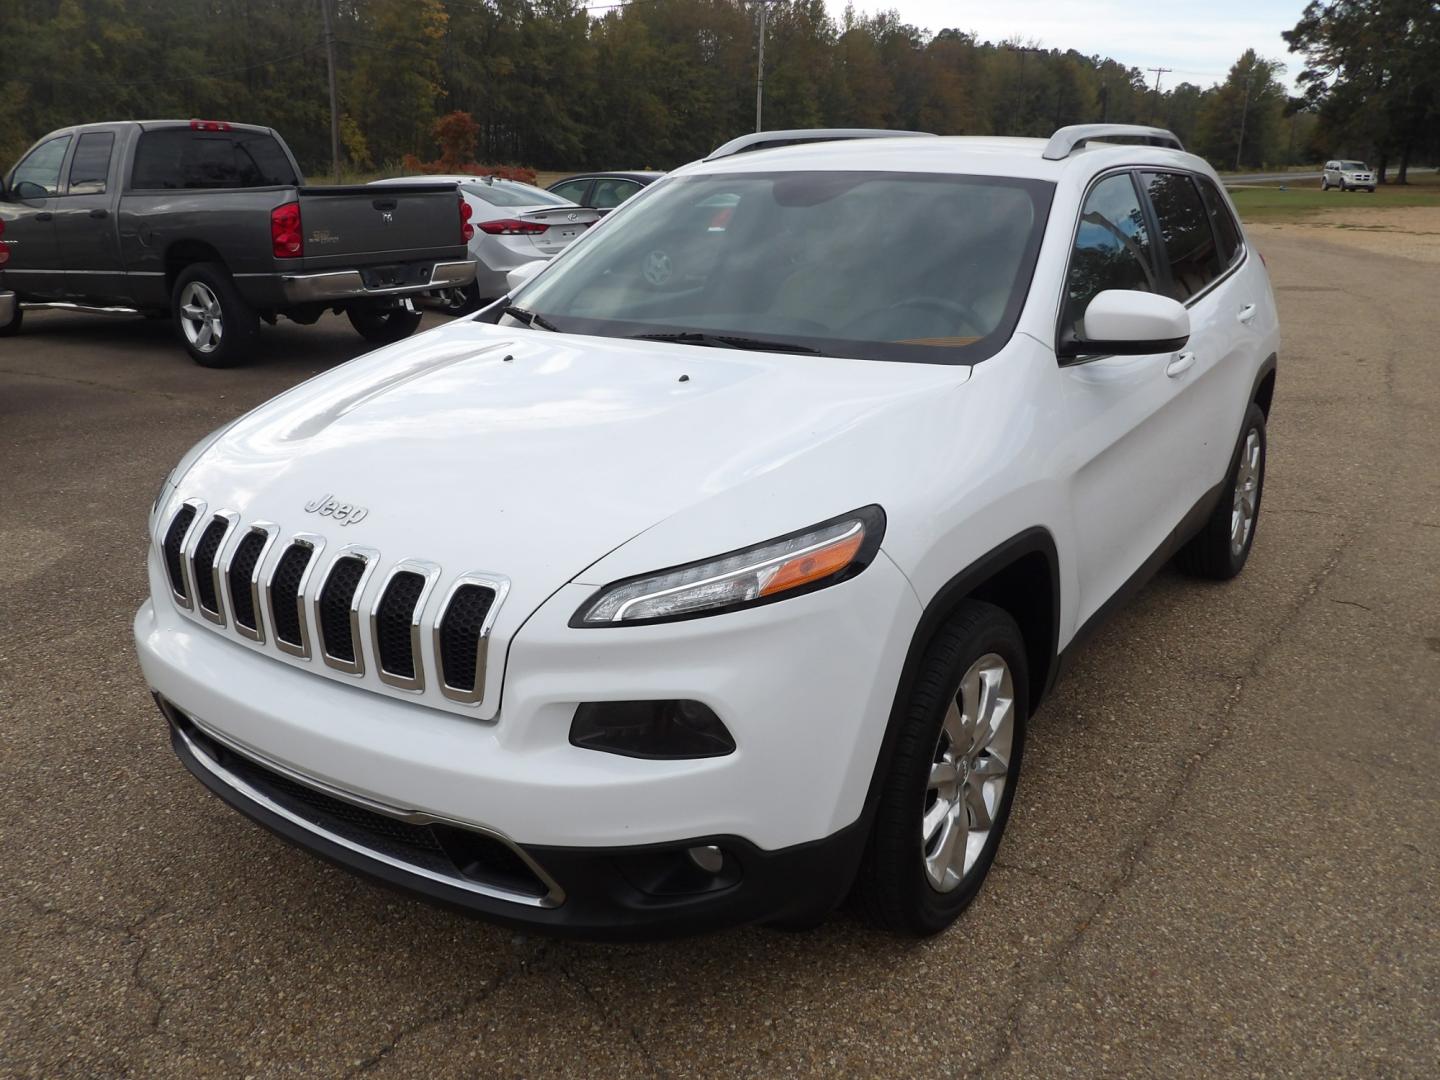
<point x="357" y="226"/>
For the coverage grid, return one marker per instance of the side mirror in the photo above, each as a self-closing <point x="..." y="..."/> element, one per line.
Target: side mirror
<point x="26" y="190"/>
<point x="523" y="273"/>
<point x="1126" y="322"/>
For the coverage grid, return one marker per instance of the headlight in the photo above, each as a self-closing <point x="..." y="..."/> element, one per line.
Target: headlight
<point x="802" y="562"/>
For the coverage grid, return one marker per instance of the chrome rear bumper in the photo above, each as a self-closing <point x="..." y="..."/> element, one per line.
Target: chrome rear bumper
<point x="7" y="307"/>
<point x="350" y="285"/>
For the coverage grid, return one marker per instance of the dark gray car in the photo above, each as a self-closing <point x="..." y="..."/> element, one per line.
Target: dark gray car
<point x="211" y="223"/>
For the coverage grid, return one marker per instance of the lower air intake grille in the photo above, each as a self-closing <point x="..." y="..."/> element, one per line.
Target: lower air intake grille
<point x="242" y="567"/>
<point x="460" y="628"/>
<point x="204" y="564"/>
<point x="393" y="616"/>
<point x="284" y="592"/>
<point x="174" y="539"/>
<point x="448" y="851"/>
<point x="336" y="600"/>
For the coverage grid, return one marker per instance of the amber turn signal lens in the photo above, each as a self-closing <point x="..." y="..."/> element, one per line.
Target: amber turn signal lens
<point x="814" y="565"/>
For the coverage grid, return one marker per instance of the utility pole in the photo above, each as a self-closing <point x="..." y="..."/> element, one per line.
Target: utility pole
<point x="760" y="66"/>
<point x="1158" y="72"/>
<point x="334" y="99"/>
<point x="1244" y="108"/>
<point x="1022" y="50"/>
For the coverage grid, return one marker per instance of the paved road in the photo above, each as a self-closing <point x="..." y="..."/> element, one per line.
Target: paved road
<point x="1225" y="857"/>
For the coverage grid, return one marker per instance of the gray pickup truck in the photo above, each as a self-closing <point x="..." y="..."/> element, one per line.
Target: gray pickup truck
<point x="210" y="224"/>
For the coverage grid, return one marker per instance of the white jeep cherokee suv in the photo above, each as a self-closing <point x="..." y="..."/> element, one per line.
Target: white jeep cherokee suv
<point x="715" y="573"/>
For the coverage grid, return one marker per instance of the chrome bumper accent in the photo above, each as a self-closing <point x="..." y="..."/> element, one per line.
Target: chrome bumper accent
<point x="349" y="285"/>
<point x="553" y="898"/>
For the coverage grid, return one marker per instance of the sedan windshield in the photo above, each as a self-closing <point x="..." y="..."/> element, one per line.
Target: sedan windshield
<point x="888" y="266"/>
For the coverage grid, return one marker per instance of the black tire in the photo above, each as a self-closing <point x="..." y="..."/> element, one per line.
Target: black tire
<point x="383" y="325"/>
<point x="239" y="325"/>
<point x="11" y="328"/>
<point x="1324" y="184"/>
<point x="893" y="890"/>
<point x="1212" y="552"/>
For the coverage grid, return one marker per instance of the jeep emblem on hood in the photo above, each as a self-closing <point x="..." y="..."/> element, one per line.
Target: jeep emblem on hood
<point x="343" y="512"/>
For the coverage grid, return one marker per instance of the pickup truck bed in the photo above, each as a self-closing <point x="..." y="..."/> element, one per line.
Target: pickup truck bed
<point x="131" y="215"/>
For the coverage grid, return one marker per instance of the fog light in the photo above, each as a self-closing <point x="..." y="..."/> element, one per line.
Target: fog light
<point x="707" y="857"/>
<point x="651" y="729"/>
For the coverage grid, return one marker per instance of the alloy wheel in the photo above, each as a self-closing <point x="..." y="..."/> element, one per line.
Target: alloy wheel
<point x="1247" y="493"/>
<point x="201" y="318"/>
<point x="970" y="770"/>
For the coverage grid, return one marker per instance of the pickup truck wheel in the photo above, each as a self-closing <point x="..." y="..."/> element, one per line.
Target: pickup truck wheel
<point x="11" y="328"/>
<point x="216" y="325"/>
<point x="383" y="325"/>
<point x="1219" y="550"/>
<point x="951" y="782"/>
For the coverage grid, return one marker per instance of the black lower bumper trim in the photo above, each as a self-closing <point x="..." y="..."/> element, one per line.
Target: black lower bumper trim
<point x="620" y="893"/>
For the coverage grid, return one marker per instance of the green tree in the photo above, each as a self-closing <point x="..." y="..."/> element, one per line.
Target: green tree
<point x="1239" y="123"/>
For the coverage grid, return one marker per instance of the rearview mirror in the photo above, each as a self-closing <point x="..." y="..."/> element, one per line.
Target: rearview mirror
<point x="1127" y="322"/>
<point x="523" y="273"/>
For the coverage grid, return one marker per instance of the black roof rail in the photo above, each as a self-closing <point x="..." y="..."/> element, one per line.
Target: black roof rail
<point x="768" y="140"/>
<point x="1068" y="139"/>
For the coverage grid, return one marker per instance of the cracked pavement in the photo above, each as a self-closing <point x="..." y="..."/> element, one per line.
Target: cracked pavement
<point x="1224" y="858"/>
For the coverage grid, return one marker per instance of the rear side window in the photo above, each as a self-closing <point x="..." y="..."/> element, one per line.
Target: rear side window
<point x="1112" y="247"/>
<point x="42" y="165"/>
<point x="1185" y="232"/>
<point x="185" y="158"/>
<point x="90" y="166"/>
<point x="1227" y="233"/>
<point x="611" y="192"/>
<point x="574" y="190"/>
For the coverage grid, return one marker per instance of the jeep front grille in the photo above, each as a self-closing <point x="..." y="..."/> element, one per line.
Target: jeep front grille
<point x="239" y="575"/>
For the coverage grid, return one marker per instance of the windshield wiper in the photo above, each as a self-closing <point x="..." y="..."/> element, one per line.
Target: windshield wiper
<point x="529" y="318"/>
<point x="727" y="341"/>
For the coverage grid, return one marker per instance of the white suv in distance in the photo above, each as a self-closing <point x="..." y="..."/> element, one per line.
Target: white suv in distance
<point x="641" y="603"/>
<point x="1347" y="176"/>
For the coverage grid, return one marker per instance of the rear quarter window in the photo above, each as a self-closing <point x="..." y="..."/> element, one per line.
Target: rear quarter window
<point x="183" y="158"/>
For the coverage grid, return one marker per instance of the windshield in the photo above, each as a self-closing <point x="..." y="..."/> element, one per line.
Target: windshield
<point x="1353" y="166"/>
<point x="889" y="266"/>
<point x="513" y="195"/>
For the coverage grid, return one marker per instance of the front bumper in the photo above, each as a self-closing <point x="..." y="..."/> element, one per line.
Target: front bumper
<point x="330" y="286"/>
<point x="8" y="304"/>
<point x="651" y="891"/>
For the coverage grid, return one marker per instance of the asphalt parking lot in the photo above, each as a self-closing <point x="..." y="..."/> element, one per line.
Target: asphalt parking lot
<point x="1225" y="856"/>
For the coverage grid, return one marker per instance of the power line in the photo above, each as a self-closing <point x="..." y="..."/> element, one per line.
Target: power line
<point x="1158" y="72"/>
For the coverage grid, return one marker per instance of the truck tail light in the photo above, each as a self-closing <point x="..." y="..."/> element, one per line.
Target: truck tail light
<point x="209" y="125"/>
<point x="285" y="235"/>
<point x="467" y="231"/>
<point x="512" y="227"/>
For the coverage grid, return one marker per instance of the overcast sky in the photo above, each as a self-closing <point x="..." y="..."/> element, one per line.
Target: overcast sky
<point x="1200" y="39"/>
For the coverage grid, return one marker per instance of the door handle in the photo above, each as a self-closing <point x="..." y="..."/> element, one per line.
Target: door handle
<point x="99" y="212"/>
<point x="1247" y="313"/>
<point x="44" y="215"/>
<point x="1181" y="364"/>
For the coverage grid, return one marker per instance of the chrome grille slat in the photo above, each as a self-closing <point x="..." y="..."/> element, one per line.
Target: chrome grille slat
<point x="395" y="622"/>
<point x="204" y="566"/>
<point x="242" y="577"/>
<point x="462" y="634"/>
<point x="173" y="549"/>
<point x="286" y="593"/>
<point x="337" y="608"/>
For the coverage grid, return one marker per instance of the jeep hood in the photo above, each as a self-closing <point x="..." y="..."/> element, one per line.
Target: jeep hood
<point x="533" y="455"/>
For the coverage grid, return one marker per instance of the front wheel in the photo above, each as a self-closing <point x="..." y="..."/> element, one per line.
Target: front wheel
<point x="1221" y="547"/>
<point x="1324" y="184"/>
<point x="383" y="324"/>
<point x="950" y="784"/>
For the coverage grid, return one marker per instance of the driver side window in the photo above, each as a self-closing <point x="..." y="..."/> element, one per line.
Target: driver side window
<point x="42" y="165"/>
<point x="1112" y="248"/>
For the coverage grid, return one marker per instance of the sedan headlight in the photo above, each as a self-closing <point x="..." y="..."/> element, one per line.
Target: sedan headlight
<point x="801" y="562"/>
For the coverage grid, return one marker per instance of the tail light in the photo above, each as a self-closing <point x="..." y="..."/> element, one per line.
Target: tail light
<point x="467" y="231"/>
<point x="285" y="235"/>
<point x="512" y="227"/>
<point x="209" y="125"/>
